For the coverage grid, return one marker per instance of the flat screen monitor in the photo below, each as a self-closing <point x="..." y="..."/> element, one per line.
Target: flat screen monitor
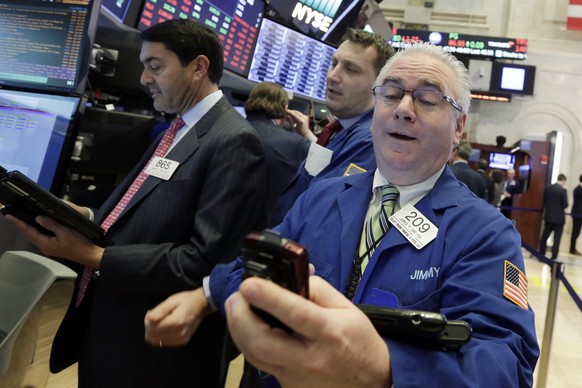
<point x="124" y="11"/>
<point x="501" y="161"/>
<point x="236" y="23"/>
<point x="37" y="134"/>
<point x="325" y="20"/>
<point x="293" y="60"/>
<point x="510" y="78"/>
<point x="46" y="45"/>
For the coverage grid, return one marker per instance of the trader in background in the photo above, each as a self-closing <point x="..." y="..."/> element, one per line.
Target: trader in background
<point x="511" y="187"/>
<point x="481" y="167"/>
<point x="460" y="167"/>
<point x="167" y="230"/>
<point x="266" y="109"/>
<point x="444" y="251"/>
<point x="344" y="147"/>
<point x="576" y="217"/>
<point x="555" y="204"/>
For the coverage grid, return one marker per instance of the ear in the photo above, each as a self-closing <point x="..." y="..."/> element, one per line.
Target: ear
<point x="459" y="127"/>
<point x="199" y="66"/>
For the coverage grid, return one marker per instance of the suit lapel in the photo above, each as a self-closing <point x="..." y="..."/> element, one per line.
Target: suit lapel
<point x="182" y="151"/>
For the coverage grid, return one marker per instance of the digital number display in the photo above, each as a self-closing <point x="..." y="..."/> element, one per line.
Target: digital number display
<point x="473" y="45"/>
<point x="235" y="22"/>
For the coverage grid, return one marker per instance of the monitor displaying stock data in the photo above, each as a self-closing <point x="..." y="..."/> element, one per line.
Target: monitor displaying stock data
<point x="46" y="45"/>
<point x="295" y="61"/>
<point x="236" y="23"/>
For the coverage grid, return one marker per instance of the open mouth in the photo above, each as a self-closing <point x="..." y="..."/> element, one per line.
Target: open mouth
<point x="400" y="136"/>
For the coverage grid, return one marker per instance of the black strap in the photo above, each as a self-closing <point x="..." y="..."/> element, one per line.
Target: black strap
<point x="356" y="271"/>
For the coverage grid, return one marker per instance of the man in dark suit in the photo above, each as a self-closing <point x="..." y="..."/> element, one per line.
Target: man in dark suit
<point x="170" y="233"/>
<point x="576" y="217"/>
<point x="482" y="167"/>
<point x="266" y="110"/>
<point x="511" y="187"/>
<point x="555" y="203"/>
<point x="460" y="167"/>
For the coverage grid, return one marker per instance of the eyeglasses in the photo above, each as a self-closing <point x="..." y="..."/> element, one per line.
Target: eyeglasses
<point x="427" y="98"/>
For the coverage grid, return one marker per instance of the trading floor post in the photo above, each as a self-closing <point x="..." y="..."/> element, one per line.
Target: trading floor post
<point x="557" y="268"/>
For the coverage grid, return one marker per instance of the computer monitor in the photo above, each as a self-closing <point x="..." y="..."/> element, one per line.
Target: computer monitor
<point x="37" y="132"/>
<point x="512" y="78"/>
<point x="325" y="20"/>
<point x="46" y="45"/>
<point x="235" y="22"/>
<point x="501" y="160"/>
<point x="293" y="60"/>
<point x="124" y="11"/>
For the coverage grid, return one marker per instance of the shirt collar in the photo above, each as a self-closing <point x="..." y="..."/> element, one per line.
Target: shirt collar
<point x="409" y="194"/>
<point x="195" y="113"/>
<point x="350" y="121"/>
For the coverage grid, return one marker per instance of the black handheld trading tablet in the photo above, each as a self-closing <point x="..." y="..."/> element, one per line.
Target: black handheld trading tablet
<point x="26" y="200"/>
<point x="423" y="328"/>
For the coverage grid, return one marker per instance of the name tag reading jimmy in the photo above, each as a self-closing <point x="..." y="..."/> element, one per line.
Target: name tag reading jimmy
<point x="162" y="168"/>
<point x="414" y="226"/>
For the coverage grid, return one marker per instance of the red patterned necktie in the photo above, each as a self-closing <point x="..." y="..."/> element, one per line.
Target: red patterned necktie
<point x="160" y="151"/>
<point x="331" y="128"/>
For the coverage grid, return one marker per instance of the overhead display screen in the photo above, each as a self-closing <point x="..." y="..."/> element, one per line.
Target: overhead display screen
<point x="324" y="20"/>
<point x="291" y="59"/>
<point x="472" y="45"/>
<point x="235" y="22"/>
<point x="45" y="45"/>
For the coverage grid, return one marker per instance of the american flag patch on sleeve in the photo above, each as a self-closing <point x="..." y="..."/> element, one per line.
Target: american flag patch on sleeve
<point x="515" y="285"/>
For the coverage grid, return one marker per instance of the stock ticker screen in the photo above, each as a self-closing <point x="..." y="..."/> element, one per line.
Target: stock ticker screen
<point x="43" y="44"/>
<point x="236" y="23"/>
<point x="473" y="45"/>
<point x="295" y="61"/>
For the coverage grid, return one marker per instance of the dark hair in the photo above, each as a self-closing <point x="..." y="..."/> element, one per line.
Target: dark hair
<point x="464" y="150"/>
<point x="383" y="50"/>
<point x="498" y="176"/>
<point x="267" y="99"/>
<point x="188" y="39"/>
<point x="482" y="164"/>
<point x="561" y="177"/>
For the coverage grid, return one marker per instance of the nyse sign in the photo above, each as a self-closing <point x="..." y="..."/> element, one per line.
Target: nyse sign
<point x="310" y="16"/>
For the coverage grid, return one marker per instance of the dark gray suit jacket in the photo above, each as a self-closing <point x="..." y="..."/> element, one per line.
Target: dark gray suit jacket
<point x="555" y="203"/>
<point x="166" y="240"/>
<point x="474" y="181"/>
<point x="577" y="205"/>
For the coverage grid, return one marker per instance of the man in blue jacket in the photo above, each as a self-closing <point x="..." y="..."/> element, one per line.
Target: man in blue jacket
<point x="354" y="68"/>
<point x="446" y="251"/>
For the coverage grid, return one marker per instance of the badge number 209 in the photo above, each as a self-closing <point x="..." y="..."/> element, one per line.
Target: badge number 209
<point x="413" y="225"/>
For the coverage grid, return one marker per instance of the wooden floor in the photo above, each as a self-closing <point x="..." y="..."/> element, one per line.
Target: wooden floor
<point x="565" y="358"/>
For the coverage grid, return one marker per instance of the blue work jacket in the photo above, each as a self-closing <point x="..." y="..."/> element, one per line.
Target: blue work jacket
<point x="351" y="147"/>
<point x="461" y="274"/>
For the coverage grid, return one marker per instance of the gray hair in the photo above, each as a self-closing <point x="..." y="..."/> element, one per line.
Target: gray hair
<point x="461" y="88"/>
